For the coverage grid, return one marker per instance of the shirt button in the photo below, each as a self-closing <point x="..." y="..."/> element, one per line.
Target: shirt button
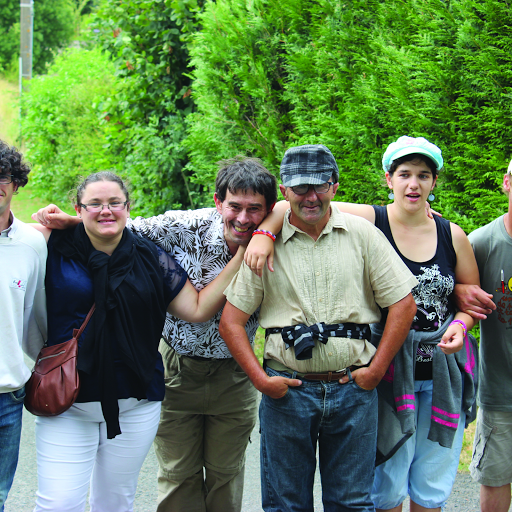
<point x="330" y="353"/>
<point x="320" y="300"/>
<point x="318" y="273"/>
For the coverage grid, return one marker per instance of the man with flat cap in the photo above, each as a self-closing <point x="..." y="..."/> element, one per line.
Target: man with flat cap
<point x="332" y="272"/>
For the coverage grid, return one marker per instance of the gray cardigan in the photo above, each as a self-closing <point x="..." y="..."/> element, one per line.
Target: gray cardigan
<point x="455" y="379"/>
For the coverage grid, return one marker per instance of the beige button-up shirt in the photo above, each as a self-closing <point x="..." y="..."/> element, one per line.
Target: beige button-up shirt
<point x="343" y="276"/>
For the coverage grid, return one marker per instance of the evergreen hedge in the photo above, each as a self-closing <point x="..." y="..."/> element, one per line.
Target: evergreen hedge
<point x="355" y="76"/>
<point x="192" y="82"/>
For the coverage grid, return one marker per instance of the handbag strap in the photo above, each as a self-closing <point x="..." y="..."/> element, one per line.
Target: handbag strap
<point x="78" y="332"/>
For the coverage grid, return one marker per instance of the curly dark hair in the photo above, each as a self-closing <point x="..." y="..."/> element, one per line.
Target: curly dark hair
<point x="11" y="162"/>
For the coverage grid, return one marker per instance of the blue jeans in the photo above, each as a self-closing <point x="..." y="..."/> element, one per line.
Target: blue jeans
<point x="342" y="419"/>
<point x="11" y="408"/>
<point x="420" y="468"/>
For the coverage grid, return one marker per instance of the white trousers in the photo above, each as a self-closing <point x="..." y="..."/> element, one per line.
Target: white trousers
<point x="73" y="451"/>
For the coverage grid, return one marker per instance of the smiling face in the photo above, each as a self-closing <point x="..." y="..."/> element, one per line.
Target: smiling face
<point x="411" y="183"/>
<point x="241" y="213"/>
<point x="309" y="212"/>
<point x="105" y="227"/>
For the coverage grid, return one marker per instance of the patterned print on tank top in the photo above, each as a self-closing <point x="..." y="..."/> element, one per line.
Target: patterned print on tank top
<point x="431" y="296"/>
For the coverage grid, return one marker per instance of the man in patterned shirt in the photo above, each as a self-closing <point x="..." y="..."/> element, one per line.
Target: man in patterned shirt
<point x="209" y="410"/>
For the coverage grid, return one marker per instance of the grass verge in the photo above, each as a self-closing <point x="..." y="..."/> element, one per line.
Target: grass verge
<point x="24" y="203"/>
<point x="467" y="448"/>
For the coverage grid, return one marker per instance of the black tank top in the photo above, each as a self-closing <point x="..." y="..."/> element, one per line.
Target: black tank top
<point x="433" y="293"/>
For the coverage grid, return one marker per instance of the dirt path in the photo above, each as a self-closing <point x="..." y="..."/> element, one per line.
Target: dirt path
<point x="9" y="115"/>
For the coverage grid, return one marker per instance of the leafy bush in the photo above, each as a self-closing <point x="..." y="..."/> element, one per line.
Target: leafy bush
<point x="132" y="115"/>
<point x="61" y="126"/>
<point x="53" y="30"/>
<point x="266" y="75"/>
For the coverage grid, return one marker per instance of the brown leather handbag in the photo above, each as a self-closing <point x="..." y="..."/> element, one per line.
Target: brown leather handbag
<point x="54" y="384"/>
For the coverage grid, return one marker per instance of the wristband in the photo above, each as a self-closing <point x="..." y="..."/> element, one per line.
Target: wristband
<point x="264" y="232"/>
<point x="463" y="325"/>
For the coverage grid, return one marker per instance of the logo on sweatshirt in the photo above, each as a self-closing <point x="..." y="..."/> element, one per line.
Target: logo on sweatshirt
<point x="18" y="283"/>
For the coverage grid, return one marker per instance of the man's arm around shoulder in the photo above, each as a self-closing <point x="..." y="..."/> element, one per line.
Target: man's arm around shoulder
<point x="232" y="330"/>
<point x="52" y="217"/>
<point x="398" y="324"/>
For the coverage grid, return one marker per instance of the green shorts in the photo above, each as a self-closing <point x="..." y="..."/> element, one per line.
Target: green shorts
<point x="491" y="464"/>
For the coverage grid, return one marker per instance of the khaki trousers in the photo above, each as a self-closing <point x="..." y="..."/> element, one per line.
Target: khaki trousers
<point x="208" y="414"/>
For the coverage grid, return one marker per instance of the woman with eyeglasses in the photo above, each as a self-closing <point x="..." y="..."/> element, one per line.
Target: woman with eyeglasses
<point x="428" y="393"/>
<point x="103" y="439"/>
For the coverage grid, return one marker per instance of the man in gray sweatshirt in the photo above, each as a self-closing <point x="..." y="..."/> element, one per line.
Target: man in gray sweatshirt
<point x="22" y="313"/>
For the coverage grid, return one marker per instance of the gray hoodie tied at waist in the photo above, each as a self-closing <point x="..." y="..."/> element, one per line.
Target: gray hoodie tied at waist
<point x="451" y="374"/>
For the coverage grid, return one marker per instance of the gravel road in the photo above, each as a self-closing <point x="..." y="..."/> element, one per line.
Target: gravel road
<point x="464" y="498"/>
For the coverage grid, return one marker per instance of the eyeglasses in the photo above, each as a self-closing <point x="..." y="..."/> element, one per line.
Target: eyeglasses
<point x="323" y="188"/>
<point x="5" y="179"/>
<point x="116" y="206"/>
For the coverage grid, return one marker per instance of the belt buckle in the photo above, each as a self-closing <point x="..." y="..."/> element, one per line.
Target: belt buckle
<point x="338" y="374"/>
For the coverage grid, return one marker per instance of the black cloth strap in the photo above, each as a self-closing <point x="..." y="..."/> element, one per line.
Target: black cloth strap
<point x="303" y="337"/>
<point x="130" y="313"/>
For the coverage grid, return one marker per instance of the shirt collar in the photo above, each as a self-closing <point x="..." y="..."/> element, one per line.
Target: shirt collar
<point x="11" y="230"/>
<point x="336" y="220"/>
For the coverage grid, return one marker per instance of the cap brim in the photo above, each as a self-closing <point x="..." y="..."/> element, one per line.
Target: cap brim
<point x="409" y="150"/>
<point x="306" y="179"/>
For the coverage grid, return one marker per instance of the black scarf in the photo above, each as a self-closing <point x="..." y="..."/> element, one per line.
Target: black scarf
<point x="130" y="306"/>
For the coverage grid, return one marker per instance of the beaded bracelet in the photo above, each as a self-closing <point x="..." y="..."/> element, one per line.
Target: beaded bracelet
<point x="264" y="232"/>
<point x="463" y="325"/>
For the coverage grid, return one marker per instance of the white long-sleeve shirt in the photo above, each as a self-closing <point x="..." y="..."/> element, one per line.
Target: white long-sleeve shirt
<point x="22" y="302"/>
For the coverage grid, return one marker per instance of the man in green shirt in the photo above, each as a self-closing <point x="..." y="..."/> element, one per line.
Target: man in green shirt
<point x="491" y="465"/>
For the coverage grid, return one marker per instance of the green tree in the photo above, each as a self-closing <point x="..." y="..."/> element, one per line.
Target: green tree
<point x="147" y="43"/>
<point x="53" y="30"/>
<point x="195" y="82"/>
<point x="239" y="69"/>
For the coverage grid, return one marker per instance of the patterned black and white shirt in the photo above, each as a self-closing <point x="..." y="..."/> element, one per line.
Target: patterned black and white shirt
<point x="196" y="240"/>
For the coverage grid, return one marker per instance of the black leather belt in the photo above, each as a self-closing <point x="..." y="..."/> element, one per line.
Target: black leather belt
<point x="320" y="376"/>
